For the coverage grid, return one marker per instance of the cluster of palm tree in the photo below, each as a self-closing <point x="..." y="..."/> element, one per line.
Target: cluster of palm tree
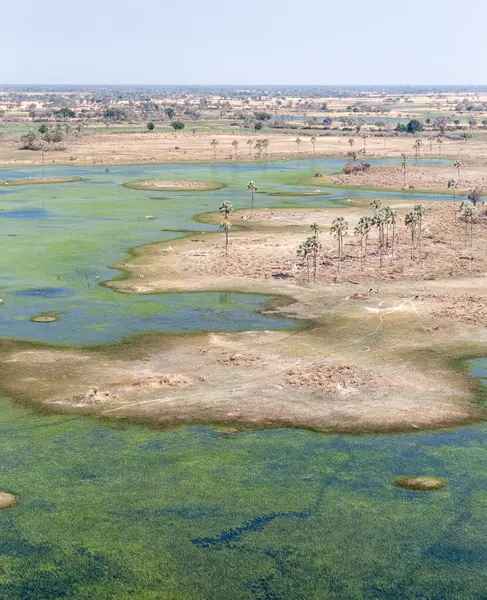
<point x="384" y="220"/>
<point x="259" y="145"/>
<point x="308" y="251"/>
<point x="338" y="230"/>
<point x="414" y="222"/>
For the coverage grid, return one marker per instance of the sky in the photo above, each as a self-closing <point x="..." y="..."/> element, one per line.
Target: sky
<point x="321" y="42"/>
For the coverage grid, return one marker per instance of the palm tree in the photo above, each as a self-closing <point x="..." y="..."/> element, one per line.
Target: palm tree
<point x="420" y="211"/>
<point x="457" y="164"/>
<point x="430" y="139"/>
<point x="235" y="145"/>
<point x="364" y="137"/>
<point x="225" y="209"/>
<point x="250" y="143"/>
<point x="214" y="144"/>
<point x="313" y="143"/>
<point x="411" y="221"/>
<point x="453" y="185"/>
<point x="417" y="147"/>
<point x="404" y="164"/>
<point x="469" y="217"/>
<point x="298" y="142"/>
<point x="339" y="228"/>
<point x="379" y="220"/>
<point x="351" y="143"/>
<point x="304" y="252"/>
<point x="314" y="245"/>
<point x="392" y="221"/>
<point x="440" y="142"/>
<point x="252" y="189"/>
<point x="259" y="146"/>
<point x="363" y="228"/>
<point x="265" y="145"/>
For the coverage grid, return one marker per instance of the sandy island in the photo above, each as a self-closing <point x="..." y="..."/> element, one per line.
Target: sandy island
<point x="40" y="180"/>
<point x="430" y="178"/>
<point x="166" y="185"/>
<point x="378" y="353"/>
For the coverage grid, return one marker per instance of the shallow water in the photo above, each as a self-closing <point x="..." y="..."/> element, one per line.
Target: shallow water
<point x="122" y="511"/>
<point x="66" y="235"/>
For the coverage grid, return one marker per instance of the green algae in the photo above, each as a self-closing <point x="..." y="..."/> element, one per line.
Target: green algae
<point x="124" y="511"/>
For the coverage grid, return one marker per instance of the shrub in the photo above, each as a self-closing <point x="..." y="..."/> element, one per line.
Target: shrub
<point x="350" y="168"/>
<point x="414" y="126"/>
<point x="31" y="141"/>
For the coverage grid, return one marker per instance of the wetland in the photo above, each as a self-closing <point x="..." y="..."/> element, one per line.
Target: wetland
<point x="128" y="510"/>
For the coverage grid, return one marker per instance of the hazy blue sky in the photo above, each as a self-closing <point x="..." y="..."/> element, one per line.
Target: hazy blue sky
<point x="253" y="41"/>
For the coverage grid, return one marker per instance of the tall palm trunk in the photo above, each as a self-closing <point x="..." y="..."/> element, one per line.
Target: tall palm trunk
<point x="420" y="231"/>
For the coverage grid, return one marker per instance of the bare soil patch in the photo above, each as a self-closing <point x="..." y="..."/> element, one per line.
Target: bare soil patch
<point x="341" y="378"/>
<point x="7" y="500"/>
